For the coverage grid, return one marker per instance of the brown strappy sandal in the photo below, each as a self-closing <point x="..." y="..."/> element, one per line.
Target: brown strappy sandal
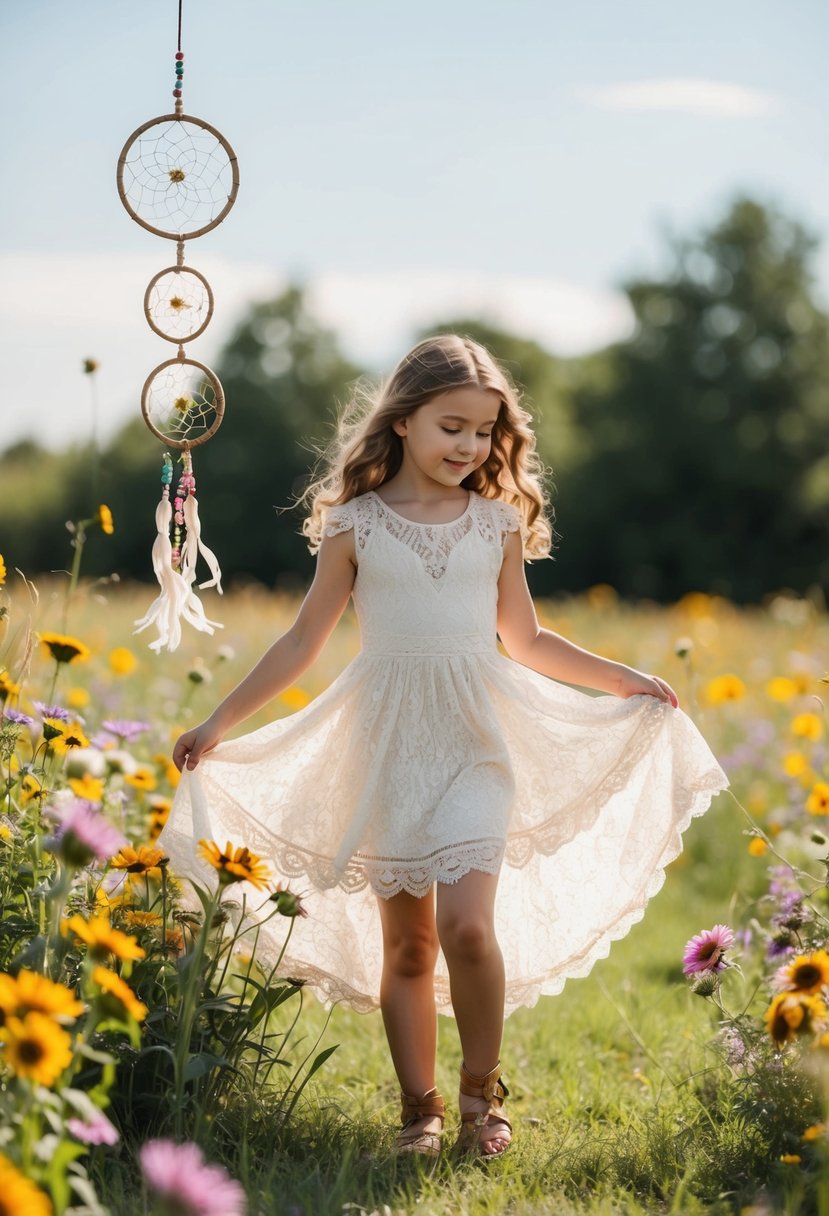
<point x="431" y="1105"/>
<point x="492" y="1088"/>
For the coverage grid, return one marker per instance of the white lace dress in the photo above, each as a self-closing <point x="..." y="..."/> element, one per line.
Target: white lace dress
<point x="431" y="755"/>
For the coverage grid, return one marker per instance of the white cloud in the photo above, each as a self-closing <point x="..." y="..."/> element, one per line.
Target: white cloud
<point x="684" y="95"/>
<point x="55" y="310"/>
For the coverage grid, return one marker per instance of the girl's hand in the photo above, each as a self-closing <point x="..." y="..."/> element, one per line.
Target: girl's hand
<point x="633" y="683"/>
<point x="195" y="743"/>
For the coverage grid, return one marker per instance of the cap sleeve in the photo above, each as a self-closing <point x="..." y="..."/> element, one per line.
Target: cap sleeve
<point x="338" y="519"/>
<point x="507" y="518"/>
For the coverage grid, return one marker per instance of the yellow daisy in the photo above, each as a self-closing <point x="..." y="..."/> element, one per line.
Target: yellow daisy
<point x="19" y="1194"/>
<point x="114" y="986"/>
<point x="795" y="764"/>
<point x="88" y="787"/>
<point x="71" y="736"/>
<point x="31" y="788"/>
<point x="35" y="1047"/>
<point x="146" y="858"/>
<point x="77" y="698"/>
<point x="141" y="779"/>
<point x="64" y="649"/>
<point x="757" y="847"/>
<point x="28" y="992"/>
<point x="793" y="1013"/>
<point x="808" y="972"/>
<point x="295" y="697"/>
<point x="782" y="688"/>
<point x="725" y="688"/>
<point x="143" y="920"/>
<point x="808" y="726"/>
<point x="8" y="688"/>
<point x="122" y="662"/>
<point x="235" y="864"/>
<point x="102" y="939"/>
<point x="818" y="801"/>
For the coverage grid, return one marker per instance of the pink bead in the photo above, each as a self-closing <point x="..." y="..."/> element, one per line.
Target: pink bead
<point x="177" y="92"/>
<point x="179" y="54"/>
<point x="179" y="517"/>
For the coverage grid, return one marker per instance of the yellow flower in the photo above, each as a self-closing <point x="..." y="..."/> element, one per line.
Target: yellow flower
<point x="77" y="698"/>
<point x="63" y="648"/>
<point x="8" y="688"/>
<point x="818" y="801"/>
<point x="102" y="939"/>
<point x="235" y="864"/>
<point x="144" y="860"/>
<point x="757" y="847"/>
<point x="113" y="985"/>
<point x="143" y="920"/>
<point x="104" y="518"/>
<point x="20" y="1194"/>
<point x="790" y="1159"/>
<point x="815" y="1132"/>
<point x="28" y="992"/>
<point x="36" y="1047"/>
<point x="2" y="570"/>
<point x="795" y="764"/>
<point x="294" y="697"/>
<point x="808" y="726"/>
<point x="31" y="788"/>
<point x="122" y="662"/>
<point x="782" y="688"/>
<point x="808" y="972"/>
<point x="725" y="688"/>
<point x="6" y="834"/>
<point x="88" y="787"/>
<point x="71" y="736"/>
<point x="141" y="779"/>
<point x="793" y="1013"/>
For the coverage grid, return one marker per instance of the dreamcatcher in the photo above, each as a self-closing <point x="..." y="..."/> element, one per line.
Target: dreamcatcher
<point x="178" y="178"/>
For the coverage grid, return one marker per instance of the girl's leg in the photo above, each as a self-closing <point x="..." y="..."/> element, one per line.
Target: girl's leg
<point x="407" y="996"/>
<point x="466" y="928"/>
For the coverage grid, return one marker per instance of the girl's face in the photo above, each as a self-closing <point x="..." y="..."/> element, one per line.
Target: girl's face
<point x="450" y="436"/>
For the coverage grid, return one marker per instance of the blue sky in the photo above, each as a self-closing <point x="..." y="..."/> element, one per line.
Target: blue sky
<point x="515" y="159"/>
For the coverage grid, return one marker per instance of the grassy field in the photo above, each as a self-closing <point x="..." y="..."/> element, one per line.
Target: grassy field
<point x="620" y="1099"/>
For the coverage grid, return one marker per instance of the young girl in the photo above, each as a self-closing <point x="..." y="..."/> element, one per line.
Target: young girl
<point x="435" y="773"/>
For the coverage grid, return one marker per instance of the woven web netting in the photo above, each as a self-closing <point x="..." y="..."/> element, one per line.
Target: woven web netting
<point x="177" y="304"/>
<point x="182" y="401"/>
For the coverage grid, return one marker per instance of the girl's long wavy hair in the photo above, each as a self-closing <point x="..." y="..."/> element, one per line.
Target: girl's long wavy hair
<point x="366" y="452"/>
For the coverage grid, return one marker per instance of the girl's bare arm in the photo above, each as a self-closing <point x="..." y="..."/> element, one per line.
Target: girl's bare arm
<point x="549" y="653"/>
<point x="289" y="656"/>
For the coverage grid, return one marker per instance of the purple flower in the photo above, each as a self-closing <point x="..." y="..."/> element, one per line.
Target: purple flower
<point x="705" y="951"/>
<point x="83" y="834"/>
<point x="15" y="715"/>
<point x="97" y="1130"/>
<point x="179" y="1176"/>
<point x="125" y="728"/>
<point x="53" y="711"/>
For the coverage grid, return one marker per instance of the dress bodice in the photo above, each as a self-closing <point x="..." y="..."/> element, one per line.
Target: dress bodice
<point x="426" y="588"/>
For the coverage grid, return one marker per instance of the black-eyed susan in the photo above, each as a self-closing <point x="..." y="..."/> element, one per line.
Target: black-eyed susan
<point x="31" y="789"/>
<point x="806" y="973"/>
<point x="235" y="864"/>
<point x="52" y="728"/>
<point x="8" y="688"/>
<point x="725" y="688"/>
<point x="794" y="1013"/>
<point x="143" y="779"/>
<point x="64" y="649"/>
<point x="818" y="801"/>
<point x="118" y="994"/>
<point x="35" y="1047"/>
<point x="71" y="738"/>
<point x="102" y="940"/>
<point x="104" y="518"/>
<point x="145" y="859"/>
<point x="28" y="992"/>
<point x="139" y="919"/>
<point x="90" y="788"/>
<point x="19" y="1194"/>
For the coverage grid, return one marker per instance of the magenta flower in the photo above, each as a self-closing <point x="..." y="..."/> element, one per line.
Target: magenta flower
<point x="186" y="1185"/>
<point x="97" y="1130"/>
<point x="705" y="951"/>
<point x="83" y="834"/>
<point x="125" y="728"/>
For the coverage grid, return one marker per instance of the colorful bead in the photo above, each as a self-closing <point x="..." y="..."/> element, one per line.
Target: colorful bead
<point x="179" y="54"/>
<point x="177" y="92"/>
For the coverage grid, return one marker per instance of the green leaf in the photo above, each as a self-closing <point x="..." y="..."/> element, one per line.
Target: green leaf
<point x="202" y="1062"/>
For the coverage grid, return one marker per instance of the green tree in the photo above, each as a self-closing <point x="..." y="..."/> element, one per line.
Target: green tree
<point x="708" y="464"/>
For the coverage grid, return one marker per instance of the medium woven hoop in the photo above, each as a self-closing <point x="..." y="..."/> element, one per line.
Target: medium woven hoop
<point x="218" y="404"/>
<point x="205" y="126"/>
<point x="148" y="313"/>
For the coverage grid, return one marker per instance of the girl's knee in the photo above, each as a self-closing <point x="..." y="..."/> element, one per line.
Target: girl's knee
<point x="468" y="937"/>
<point x="413" y="952"/>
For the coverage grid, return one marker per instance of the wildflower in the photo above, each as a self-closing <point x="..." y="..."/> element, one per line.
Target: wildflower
<point x="18" y="718"/>
<point x="790" y="1158"/>
<point x="31" y="788"/>
<point x="815" y="1132"/>
<point x="807" y="972"/>
<point x="294" y="697"/>
<point x="138" y="861"/>
<point x="35" y="1047"/>
<point x="706" y="951"/>
<point x="142" y="779"/>
<point x="705" y="984"/>
<point x="90" y="366"/>
<point x="818" y="801"/>
<point x="795" y="764"/>
<point x="97" y="1130"/>
<point x="102" y="939"/>
<point x="104" y="518"/>
<point x="235" y="865"/>
<point x="64" y="649"/>
<point x="20" y="1194"/>
<point x="683" y="647"/>
<point x="70" y="737"/>
<point x="757" y="847"/>
<point x="199" y="673"/>
<point x="725" y="688"/>
<point x="8" y="688"/>
<point x="126" y="729"/>
<point x="120" y="994"/>
<point x="87" y="787"/>
<point x="782" y="688"/>
<point x="143" y="920"/>
<point x="793" y="1013"/>
<point x="807" y="726"/>
<point x="180" y="1177"/>
<point x="2" y="570"/>
<point x="77" y="697"/>
<point x="83" y="835"/>
<point x="287" y="904"/>
<point x="52" y="728"/>
<point x="56" y="712"/>
<point x="28" y="992"/>
<point x="122" y="662"/>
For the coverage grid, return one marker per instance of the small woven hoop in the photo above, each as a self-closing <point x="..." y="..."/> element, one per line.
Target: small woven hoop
<point x="205" y="126"/>
<point x="148" y="314"/>
<point x="218" y="404"/>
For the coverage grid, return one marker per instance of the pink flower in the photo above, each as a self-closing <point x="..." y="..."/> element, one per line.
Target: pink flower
<point x="705" y="951"/>
<point x="83" y="834"/>
<point x="178" y="1175"/>
<point x="97" y="1130"/>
